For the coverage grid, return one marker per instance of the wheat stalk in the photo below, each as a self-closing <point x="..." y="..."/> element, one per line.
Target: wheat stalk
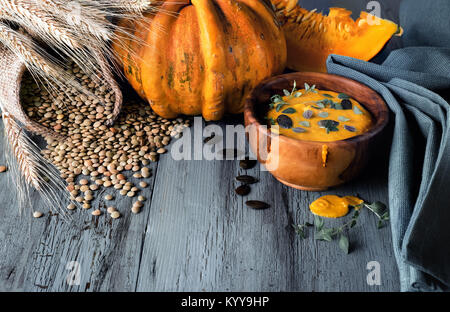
<point x="38" y="62"/>
<point x="38" y="21"/>
<point x="29" y="168"/>
<point x="77" y="30"/>
<point x="27" y="51"/>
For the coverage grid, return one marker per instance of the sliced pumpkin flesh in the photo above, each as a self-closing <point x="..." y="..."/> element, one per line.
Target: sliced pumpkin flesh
<point x="311" y="37"/>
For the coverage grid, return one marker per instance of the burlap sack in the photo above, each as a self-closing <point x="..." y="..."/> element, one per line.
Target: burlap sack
<point x="11" y="72"/>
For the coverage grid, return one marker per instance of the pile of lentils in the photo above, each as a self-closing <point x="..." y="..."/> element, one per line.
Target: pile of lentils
<point x="95" y="155"/>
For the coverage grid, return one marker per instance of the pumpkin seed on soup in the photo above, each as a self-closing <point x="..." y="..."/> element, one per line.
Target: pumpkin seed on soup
<point x="308" y="114"/>
<point x="350" y="128"/>
<point x="299" y="130"/>
<point x="305" y="117"/>
<point x="346" y="104"/>
<point x="285" y="122"/>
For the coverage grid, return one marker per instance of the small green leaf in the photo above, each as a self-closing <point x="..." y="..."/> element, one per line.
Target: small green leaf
<point x="324" y="234"/>
<point x="280" y="106"/>
<point x="327" y="95"/>
<point x="320" y="104"/>
<point x="294" y="87"/>
<point x="276" y="98"/>
<point x="343" y="96"/>
<point x="307" y="87"/>
<point x="289" y="110"/>
<point x="343" y="118"/>
<point x="357" y="111"/>
<point x="300" y="230"/>
<point x="323" y="114"/>
<point x="380" y="224"/>
<point x="377" y="207"/>
<point x="286" y="92"/>
<point x="337" y="106"/>
<point x="344" y="243"/>
<point x="305" y="124"/>
<point x="298" y="94"/>
<point x="318" y="223"/>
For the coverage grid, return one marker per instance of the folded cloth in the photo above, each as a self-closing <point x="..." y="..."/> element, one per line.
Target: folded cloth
<point x="413" y="82"/>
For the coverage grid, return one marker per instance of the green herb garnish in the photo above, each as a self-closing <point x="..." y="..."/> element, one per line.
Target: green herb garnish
<point x="309" y="88"/>
<point x="305" y="124"/>
<point x="343" y="96"/>
<point x="343" y="118"/>
<point x="357" y="111"/>
<point x="289" y="110"/>
<point x="329" y="234"/>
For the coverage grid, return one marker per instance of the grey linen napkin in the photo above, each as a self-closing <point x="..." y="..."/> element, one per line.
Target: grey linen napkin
<point x="415" y="83"/>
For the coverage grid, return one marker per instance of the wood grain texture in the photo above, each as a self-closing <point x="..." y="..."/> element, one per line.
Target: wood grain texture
<point x="194" y="233"/>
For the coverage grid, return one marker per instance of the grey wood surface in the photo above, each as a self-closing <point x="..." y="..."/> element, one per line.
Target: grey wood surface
<point x="195" y="234"/>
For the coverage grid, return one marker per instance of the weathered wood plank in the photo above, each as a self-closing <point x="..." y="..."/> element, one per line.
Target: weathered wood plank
<point x="201" y="237"/>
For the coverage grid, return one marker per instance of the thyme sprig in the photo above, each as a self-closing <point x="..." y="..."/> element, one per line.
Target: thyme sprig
<point x="329" y="234"/>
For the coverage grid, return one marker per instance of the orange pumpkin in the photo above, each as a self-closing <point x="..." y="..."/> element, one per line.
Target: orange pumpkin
<point x="202" y="57"/>
<point x="311" y="37"/>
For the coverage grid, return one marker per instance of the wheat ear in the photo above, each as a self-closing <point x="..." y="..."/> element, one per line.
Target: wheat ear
<point x="37" y="21"/>
<point x="29" y="168"/>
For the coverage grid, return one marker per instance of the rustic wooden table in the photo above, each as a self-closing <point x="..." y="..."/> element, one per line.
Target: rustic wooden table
<point x="195" y="234"/>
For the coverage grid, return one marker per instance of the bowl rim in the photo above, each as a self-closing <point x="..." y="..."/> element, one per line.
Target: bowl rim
<point x="380" y="124"/>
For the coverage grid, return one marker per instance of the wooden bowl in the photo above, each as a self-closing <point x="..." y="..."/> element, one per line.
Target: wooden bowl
<point x="299" y="163"/>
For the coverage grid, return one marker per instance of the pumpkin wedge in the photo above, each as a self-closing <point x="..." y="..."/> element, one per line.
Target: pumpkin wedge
<point x="311" y="37"/>
<point x="202" y="56"/>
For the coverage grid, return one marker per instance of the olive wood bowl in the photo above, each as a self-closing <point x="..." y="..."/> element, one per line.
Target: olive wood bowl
<point x="299" y="163"/>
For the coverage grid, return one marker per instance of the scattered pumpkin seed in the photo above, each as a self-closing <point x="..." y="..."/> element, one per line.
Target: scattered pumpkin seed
<point x="285" y="122"/>
<point x="246" y="179"/>
<point x="247" y="163"/>
<point x="243" y="190"/>
<point x="256" y="204"/>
